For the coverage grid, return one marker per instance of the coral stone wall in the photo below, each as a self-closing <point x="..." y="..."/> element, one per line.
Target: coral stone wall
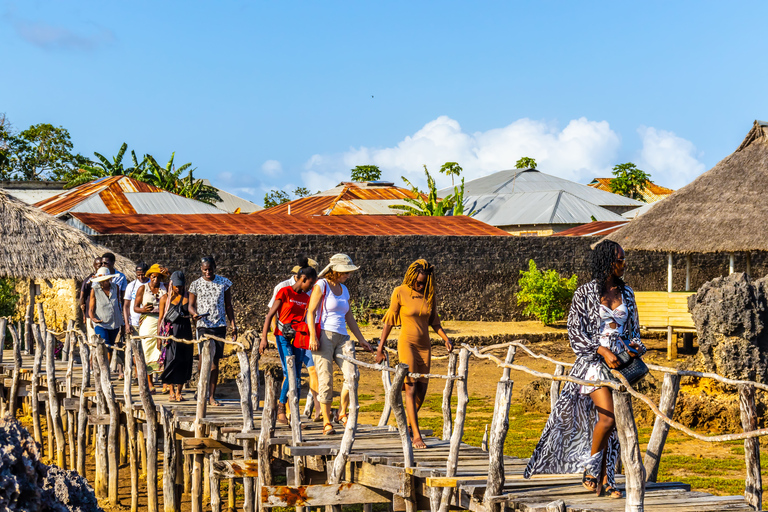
<point x="58" y="297"/>
<point x="476" y="276"/>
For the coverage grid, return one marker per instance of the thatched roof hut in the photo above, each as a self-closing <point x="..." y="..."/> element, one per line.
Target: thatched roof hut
<point x="720" y="211"/>
<point x="35" y="245"/>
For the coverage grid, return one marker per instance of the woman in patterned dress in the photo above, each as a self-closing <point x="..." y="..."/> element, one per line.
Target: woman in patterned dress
<point x="580" y="434"/>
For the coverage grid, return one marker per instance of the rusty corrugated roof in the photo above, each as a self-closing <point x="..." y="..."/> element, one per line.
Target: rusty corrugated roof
<point x="651" y="192"/>
<point x="349" y="198"/>
<point x="235" y="224"/>
<point x="600" y="228"/>
<point x="111" y="189"/>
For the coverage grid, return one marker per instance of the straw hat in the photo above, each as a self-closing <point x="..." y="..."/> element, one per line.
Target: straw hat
<point x="312" y="263"/>
<point x="102" y="275"/>
<point x="340" y="263"/>
<point x="157" y="269"/>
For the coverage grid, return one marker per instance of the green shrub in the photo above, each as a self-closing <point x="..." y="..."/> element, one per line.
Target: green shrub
<point x="546" y="295"/>
<point x="8" y="296"/>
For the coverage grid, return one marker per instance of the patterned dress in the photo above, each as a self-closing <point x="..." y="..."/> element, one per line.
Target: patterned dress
<point x="566" y="442"/>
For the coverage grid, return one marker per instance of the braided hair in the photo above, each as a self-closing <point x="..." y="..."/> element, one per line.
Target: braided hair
<point x="604" y="255"/>
<point x="421" y="266"/>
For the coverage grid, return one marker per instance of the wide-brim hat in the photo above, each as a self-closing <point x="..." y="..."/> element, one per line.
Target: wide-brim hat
<point x="157" y="269"/>
<point x="102" y="275"/>
<point x="340" y="263"/>
<point x="312" y="263"/>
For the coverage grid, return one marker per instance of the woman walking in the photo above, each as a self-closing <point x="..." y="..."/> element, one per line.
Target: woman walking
<point x="147" y="303"/>
<point x="580" y="434"/>
<point x="329" y="307"/>
<point x="174" y="310"/>
<point x="414" y="307"/>
<point x="104" y="307"/>
<point x="290" y="307"/>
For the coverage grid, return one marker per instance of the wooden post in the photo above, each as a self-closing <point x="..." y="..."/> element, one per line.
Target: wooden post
<point x="671" y="344"/>
<point x="484" y="444"/>
<point x="29" y="318"/>
<point x="3" y="325"/>
<point x="82" y="414"/>
<point x="731" y="263"/>
<point x="207" y="347"/>
<point x="687" y="272"/>
<point x="453" y="357"/>
<point x="268" y="417"/>
<point x="254" y="363"/>
<point x="753" y="484"/>
<point x="293" y="400"/>
<point x="130" y="424"/>
<point x="70" y="414"/>
<point x="100" y="353"/>
<point x="669" y="391"/>
<point x="458" y="427"/>
<point x="66" y="352"/>
<point x="669" y="272"/>
<point x="151" y="415"/>
<point x="214" y="458"/>
<point x="37" y="429"/>
<point x="53" y="398"/>
<point x="246" y="405"/>
<point x="499" y="429"/>
<point x="248" y="494"/>
<point x="386" y="380"/>
<point x="749" y="264"/>
<point x="351" y="377"/>
<point x="630" y="452"/>
<point x="170" y="503"/>
<point x="12" y="398"/>
<point x="100" y="438"/>
<point x="554" y="388"/>
<point x="396" y="400"/>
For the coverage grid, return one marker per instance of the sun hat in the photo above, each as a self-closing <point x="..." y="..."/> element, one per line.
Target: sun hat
<point x="312" y="263"/>
<point x="102" y="275"/>
<point x="339" y="263"/>
<point x="157" y="269"/>
<point x="178" y="278"/>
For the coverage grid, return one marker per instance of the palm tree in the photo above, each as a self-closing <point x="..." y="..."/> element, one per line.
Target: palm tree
<point x="104" y="168"/>
<point x="431" y="206"/>
<point x="169" y="178"/>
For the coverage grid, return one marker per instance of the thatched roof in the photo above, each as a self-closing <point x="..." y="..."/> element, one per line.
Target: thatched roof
<point x="723" y="210"/>
<point x="36" y="245"/>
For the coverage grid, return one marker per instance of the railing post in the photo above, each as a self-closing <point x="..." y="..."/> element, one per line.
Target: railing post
<point x="16" y="370"/>
<point x="396" y="401"/>
<point x="630" y="452"/>
<point x="149" y="446"/>
<point x="753" y="485"/>
<point x="554" y="388"/>
<point x="453" y="358"/>
<point x="386" y="380"/>
<point x="296" y="438"/>
<point x="458" y="427"/>
<point x="206" y="349"/>
<point x="351" y="377"/>
<point x="669" y="391"/>
<point x="499" y="428"/>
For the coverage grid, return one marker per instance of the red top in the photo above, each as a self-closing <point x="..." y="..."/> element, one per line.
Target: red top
<point x="293" y="306"/>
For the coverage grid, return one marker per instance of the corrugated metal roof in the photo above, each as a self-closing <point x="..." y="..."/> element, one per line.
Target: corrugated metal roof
<point x="121" y="195"/>
<point x="348" y="198"/>
<point x="234" y="224"/>
<point x="651" y="192"/>
<point x="593" y="229"/>
<point x="547" y="207"/>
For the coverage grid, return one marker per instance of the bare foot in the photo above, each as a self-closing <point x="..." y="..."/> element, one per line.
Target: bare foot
<point x="418" y="443"/>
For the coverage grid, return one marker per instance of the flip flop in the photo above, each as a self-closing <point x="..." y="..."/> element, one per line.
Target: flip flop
<point x="328" y="429"/>
<point x="611" y="492"/>
<point x="343" y="419"/>
<point x="588" y="479"/>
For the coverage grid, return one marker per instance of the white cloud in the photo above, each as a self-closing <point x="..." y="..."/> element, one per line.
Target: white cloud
<point x="51" y="37"/>
<point x="582" y="150"/>
<point x="670" y="160"/>
<point x="272" y="168"/>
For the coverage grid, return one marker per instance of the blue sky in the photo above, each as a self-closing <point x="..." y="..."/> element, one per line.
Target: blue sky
<point x="259" y="95"/>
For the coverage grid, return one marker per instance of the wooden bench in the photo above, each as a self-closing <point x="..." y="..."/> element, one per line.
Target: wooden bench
<point x="666" y="311"/>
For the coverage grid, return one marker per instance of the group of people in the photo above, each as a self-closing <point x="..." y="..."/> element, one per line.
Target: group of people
<point x="159" y="308"/>
<point x="313" y="320"/>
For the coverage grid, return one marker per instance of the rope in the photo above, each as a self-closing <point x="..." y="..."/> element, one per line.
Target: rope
<point x="384" y="368"/>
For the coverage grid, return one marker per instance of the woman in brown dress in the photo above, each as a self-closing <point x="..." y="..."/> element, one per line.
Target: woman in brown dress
<point x="414" y="308"/>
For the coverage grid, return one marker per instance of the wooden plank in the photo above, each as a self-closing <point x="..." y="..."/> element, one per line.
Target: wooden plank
<point x="387" y="478"/>
<point x="206" y="444"/>
<point x="320" y="495"/>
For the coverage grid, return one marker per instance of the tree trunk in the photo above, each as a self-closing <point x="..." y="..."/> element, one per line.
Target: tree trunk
<point x="753" y="484"/>
<point x="82" y="414"/>
<point x="458" y="428"/>
<point x="151" y="414"/>
<point x="130" y="425"/>
<point x="669" y="391"/>
<point x="453" y="358"/>
<point x="198" y="428"/>
<point x="630" y="452"/>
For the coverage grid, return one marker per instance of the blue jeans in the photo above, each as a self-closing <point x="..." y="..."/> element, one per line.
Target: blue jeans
<point x="300" y="355"/>
<point x="108" y="335"/>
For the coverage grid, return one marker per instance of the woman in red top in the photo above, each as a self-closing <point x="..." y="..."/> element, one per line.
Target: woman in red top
<point x="290" y="306"/>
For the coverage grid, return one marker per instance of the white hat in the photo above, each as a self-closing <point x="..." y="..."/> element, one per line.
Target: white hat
<point x="340" y="263"/>
<point x="102" y="275"/>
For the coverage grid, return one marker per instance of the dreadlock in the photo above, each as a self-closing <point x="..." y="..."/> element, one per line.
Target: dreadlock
<point x="422" y="267"/>
<point x="604" y="255"/>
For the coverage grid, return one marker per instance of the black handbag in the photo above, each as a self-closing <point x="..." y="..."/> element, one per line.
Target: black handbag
<point x="173" y="313"/>
<point x="632" y="368"/>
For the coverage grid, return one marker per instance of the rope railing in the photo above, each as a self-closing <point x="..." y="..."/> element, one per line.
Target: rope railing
<point x="385" y="368"/>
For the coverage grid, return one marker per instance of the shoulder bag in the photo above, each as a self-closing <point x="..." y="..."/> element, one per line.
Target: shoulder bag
<point x="632" y="367"/>
<point x="301" y="329"/>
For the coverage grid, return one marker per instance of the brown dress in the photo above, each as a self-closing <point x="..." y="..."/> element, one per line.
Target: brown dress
<point x="408" y="310"/>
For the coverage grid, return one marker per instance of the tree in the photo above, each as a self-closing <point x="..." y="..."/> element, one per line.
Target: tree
<point x="275" y="197"/>
<point x="169" y="178"/>
<point x="629" y="181"/>
<point x="41" y="152"/>
<point x="525" y="163"/>
<point x="105" y="168"/>
<point x="451" y="169"/>
<point x="431" y="206"/>
<point x="546" y="295"/>
<point x="302" y="192"/>
<point x="366" y="173"/>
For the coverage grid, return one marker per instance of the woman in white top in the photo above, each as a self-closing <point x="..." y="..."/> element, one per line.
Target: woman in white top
<point x="329" y="306"/>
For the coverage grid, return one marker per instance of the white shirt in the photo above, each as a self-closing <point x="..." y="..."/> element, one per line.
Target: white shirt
<point x="333" y="308"/>
<point x="130" y="294"/>
<point x="288" y="282"/>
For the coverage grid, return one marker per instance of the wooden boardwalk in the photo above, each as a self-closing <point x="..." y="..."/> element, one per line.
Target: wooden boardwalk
<point x="374" y="471"/>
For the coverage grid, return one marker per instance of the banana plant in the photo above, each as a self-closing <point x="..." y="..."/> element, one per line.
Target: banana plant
<point x="169" y="178"/>
<point x="425" y="204"/>
<point x="105" y="168"/>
